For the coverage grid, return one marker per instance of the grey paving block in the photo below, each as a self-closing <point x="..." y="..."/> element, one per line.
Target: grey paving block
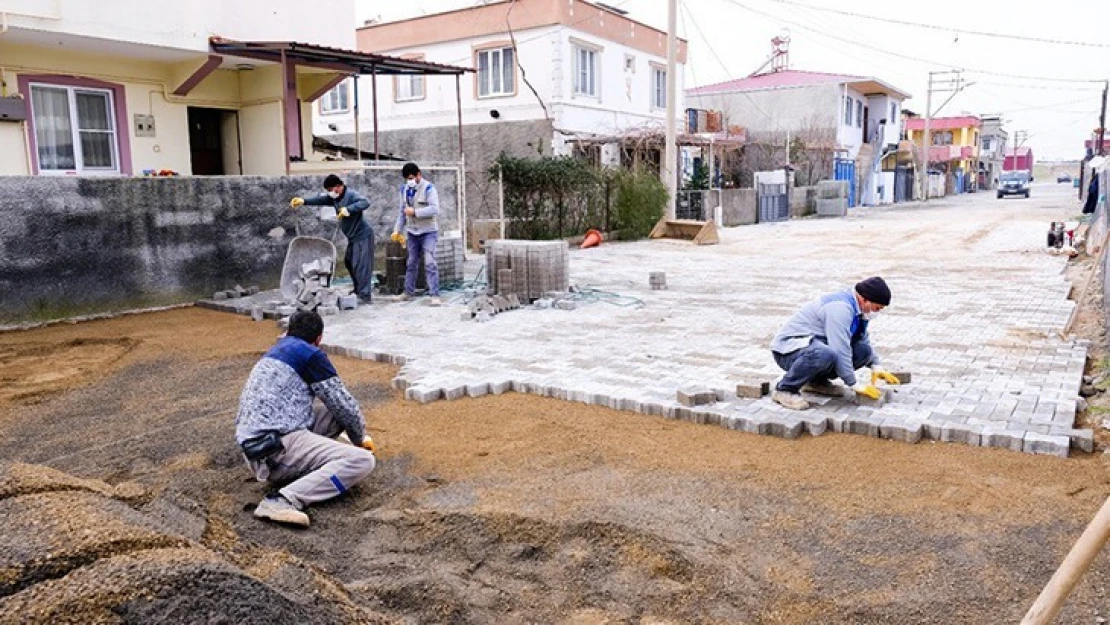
<point x="477" y="389"/>
<point x="901" y="430"/>
<point x="1046" y="444"/>
<point x="501" y="386"/>
<point x="257" y="314"/>
<point x="696" y="396"/>
<point x="753" y="390"/>
<point x="962" y="433"/>
<point x="348" y="302"/>
<point x="863" y="424"/>
<point x="400" y="383"/>
<point x="219" y="295"/>
<point x="327" y="311"/>
<point x="566" y="304"/>
<point x="1081" y="439"/>
<point x="815" y="423"/>
<point x="874" y="403"/>
<point x="423" y="394"/>
<point x="784" y="426"/>
<point x="1003" y="438"/>
<point x="285" y="311"/>
<point x="838" y="422"/>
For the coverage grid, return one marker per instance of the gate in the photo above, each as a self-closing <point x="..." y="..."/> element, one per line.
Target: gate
<point x="774" y="205"/>
<point x="845" y="169"/>
<point x="690" y="205"/>
<point x="903" y="184"/>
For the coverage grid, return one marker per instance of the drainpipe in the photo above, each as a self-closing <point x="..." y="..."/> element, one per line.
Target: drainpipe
<point x="3" y="23"/>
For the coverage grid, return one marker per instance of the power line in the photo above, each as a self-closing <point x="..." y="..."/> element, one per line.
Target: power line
<point x="911" y="58"/>
<point x="949" y="29"/>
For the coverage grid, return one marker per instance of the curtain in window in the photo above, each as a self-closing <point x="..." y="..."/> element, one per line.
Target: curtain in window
<point x="94" y="124"/>
<point x="483" y="73"/>
<point x="507" y="70"/>
<point x="53" y="129"/>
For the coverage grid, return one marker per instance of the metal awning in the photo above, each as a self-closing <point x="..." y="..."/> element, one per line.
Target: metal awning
<point x="337" y="59"/>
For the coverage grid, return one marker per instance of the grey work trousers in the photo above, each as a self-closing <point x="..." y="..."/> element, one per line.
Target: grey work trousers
<point x="314" y="466"/>
<point x="359" y="260"/>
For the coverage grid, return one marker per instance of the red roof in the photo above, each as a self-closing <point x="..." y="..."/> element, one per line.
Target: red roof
<point x="775" y="80"/>
<point x="1022" y="151"/>
<point x="943" y="123"/>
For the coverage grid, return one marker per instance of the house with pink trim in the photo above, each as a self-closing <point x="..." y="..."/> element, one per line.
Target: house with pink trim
<point x="205" y="87"/>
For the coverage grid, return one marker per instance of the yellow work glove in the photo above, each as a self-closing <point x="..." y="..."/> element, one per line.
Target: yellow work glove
<point x="397" y="237"/>
<point x="368" y="444"/>
<point x="343" y="212"/>
<point x="884" y="375"/>
<point x="867" y="390"/>
<point x="296" y="202"/>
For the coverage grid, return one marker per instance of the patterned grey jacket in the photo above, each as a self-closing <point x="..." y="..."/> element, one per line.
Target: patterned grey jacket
<point x="279" y="392"/>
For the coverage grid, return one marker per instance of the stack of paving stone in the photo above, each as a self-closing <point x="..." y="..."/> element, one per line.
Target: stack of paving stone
<point x="538" y="268"/>
<point x="449" y="258"/>
<point x="657" y="280"/>
<point x="484" y="307"/>
<point x="313" y="292"/>
<point x="832" y="198"/>
<point x="235" y="293"/>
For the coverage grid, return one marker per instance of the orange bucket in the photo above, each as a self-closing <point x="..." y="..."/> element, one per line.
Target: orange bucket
<point x="593" y="239"/>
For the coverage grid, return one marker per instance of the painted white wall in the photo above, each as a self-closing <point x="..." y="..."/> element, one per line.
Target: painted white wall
<point x="545" y="54"/>
<point x="187" y="25"/>
<point x="849" y="136"/>
<point x="775" y="110"/>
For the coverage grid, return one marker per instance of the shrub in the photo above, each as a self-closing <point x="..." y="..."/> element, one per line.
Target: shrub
<point x="641" y="198"/>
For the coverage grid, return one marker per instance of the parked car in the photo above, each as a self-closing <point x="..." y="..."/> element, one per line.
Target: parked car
<point x="1063" y="178"/>
<point x="1014" y="183"/>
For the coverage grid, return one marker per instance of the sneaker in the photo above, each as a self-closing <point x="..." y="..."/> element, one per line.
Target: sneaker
<point x="279" y="509"/>
<point x="435" y="301"/>
<point x="404" y="297"/>
<point x="826" y="388"/>
<point x="793" y="401"/>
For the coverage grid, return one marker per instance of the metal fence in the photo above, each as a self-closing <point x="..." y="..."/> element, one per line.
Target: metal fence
<point x="690" y="204"/>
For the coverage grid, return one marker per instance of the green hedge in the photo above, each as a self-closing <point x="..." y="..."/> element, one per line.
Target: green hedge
<point x="559" y="197"/>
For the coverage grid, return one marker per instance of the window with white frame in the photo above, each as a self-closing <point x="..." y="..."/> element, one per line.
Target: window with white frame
<point x="658" y="88"/>
<point x="585" y="71"/>
<point x="337" y="100"/>
<point x="496" y="72"/>
<point x="409" y="88"/>
<point x="75" y="129"/>
<point x="859" y="113"/>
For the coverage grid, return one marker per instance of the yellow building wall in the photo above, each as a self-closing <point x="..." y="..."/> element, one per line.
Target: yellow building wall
<point x="148" y="89"/>
<point x="13" y="150"/>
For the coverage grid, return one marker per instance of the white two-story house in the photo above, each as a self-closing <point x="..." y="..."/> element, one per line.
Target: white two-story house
<point x="857" y="119"/>
<point x="546" y="72"/>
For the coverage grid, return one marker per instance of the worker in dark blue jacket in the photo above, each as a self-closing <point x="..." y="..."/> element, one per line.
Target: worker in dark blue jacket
<point x="349" y="206"/>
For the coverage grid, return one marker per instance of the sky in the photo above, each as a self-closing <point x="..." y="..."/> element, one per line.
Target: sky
<point x="731" y="38"/>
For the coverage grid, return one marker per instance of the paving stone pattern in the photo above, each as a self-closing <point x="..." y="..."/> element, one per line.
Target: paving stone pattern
<point x="975" y="317"/>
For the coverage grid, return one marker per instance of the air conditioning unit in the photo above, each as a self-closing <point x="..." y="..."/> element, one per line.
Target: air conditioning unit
<point x="13" y="109"/>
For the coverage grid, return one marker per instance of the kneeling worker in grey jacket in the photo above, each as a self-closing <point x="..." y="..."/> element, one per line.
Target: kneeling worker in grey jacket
<point x="290" y="442"/>
<point x="827" y="339"/>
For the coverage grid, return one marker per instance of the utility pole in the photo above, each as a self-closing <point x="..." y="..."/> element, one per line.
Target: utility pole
<point x="670" y="151"/>
<point x="1102" y="121"/>
<point x="1020" y="137"/>
<point x="947" y="82"/>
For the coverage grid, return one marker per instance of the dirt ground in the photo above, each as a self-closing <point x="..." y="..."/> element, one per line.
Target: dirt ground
<point x="500" y="509"/>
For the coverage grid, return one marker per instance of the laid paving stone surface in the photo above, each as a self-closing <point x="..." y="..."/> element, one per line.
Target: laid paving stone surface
<point x="975" y="318"/>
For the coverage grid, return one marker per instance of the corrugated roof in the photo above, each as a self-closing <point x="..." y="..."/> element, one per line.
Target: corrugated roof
<point x="774" y="80"/>
<point x="943" y="123"/>
<point x="360" y="62"/>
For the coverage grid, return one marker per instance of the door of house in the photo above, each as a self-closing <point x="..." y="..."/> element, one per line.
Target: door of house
<point x="205" y="141"/>
<point x="903" y="183"/>
<point x="774" y="205"/>
<point x="845" y="169"/>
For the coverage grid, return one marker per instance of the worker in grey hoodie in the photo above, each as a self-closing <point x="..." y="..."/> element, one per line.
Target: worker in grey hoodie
<point x="349" y="206"/>
<point x="417" y="221"/>
<point x="826" y="339"/>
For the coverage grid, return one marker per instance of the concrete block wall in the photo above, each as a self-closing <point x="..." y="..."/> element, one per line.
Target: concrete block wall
<point x="803" y="201"/>
<point x="738" y="207"/>
<point x="482" y="143"/>
<point x="72" y="246"/>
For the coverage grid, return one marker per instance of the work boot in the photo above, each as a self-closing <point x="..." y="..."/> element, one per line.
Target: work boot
<point x="435" y="301"/>
<point x="793" y="401"/>
<point x="826" y="388"/>
<point x="279" y="509"/>
<point x="404" y="297"/>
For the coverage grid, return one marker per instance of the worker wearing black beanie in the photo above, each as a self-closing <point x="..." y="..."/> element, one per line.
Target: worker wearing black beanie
<point x="827" y="339"/>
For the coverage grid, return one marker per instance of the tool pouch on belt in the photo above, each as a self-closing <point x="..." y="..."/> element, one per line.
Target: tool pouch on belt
<point x="262" y="447"/>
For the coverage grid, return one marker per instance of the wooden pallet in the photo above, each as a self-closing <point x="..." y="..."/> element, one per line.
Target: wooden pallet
<point x="700" y="232"/>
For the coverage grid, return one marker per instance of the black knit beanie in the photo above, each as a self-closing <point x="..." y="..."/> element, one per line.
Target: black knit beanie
<point x="874" y="290"/>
